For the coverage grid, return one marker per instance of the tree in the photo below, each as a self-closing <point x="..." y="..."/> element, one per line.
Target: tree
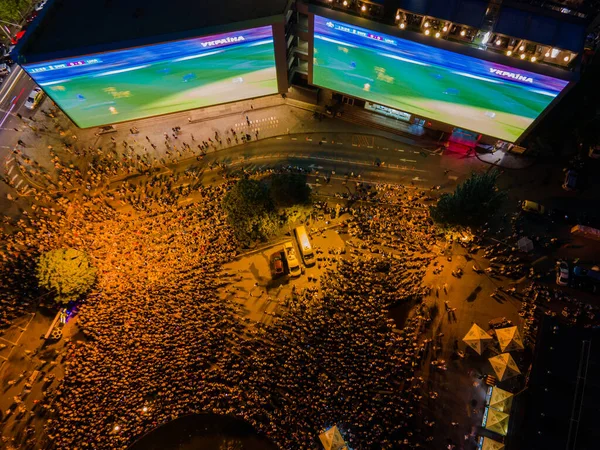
<point x="12" y="10"/>
<point x="289" y="189"/>
<point x="246" y="205"/>
<point x="66" y="272"/>
<point x="472" y="201"/>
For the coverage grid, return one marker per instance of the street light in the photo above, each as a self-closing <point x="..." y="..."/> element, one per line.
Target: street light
<point x="427" y="32"/>
<point x="463" y="32"/>
<point x="437" y="35"/>
<point x="522" y="56"/>
<point x="533" y="59"/>
<point x="363" y="8"/>
<point x="402" y="25"/>
<point x="508" y="53"/>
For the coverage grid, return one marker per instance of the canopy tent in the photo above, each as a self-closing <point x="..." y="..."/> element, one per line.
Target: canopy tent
<point x="509" y="339"/>
<point x="505" y="366"/>
<point x="332" y="439"/>
<point x="525" y="244"/>
<point x="477" y="338"/>
<point x="497" y="421"/>
<point x="490" y="444"/>
<point x="501" y="400"/>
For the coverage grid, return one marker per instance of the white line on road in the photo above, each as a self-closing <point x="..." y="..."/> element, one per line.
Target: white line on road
<point x="294" y="139"/>
<point x="19" y="73"/>
<point x="11" y="169"/>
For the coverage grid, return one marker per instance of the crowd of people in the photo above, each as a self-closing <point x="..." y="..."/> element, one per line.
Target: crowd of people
<point x="161" y="343"/>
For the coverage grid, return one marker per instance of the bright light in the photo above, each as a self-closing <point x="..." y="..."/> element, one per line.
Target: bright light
<point x="116" y="428"/>
<point x="533" y="59"/>
<point x="554" y="53"/>
<point x="427" y="32"/>
<point x="498" y="42"/>
<point x="522" y="48"/>
<point x="463" y="32"/>
<point x="367" y="87"/>
<point x="522" y="56"/>
<point x="403" y="25"/>
<point x="508" y="53"/>
<point x="437" y="35"/>
<point x="426" y="25"/>
<point x="547" y="54"/>
<point x="486" y="38"/>
<point x="145" y="409"/>
<point x="345" y="3"/>
<point x="445" y="29"/>
<point x="363" y="8"/>
<point x="566" y="59"/>
<point x="397" y="16"/>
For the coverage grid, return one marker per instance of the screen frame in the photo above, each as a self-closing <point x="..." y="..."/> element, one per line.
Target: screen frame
<point x="571" y="77"/>
<point x="276" y="58"/>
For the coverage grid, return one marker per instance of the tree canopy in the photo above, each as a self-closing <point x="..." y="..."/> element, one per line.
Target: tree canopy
<point x="247" y="204"/>
<point x="471" y="202"/>
<point x="12" y="10"/>
<point x="66" y="272"/>
<point x="289" y="189"/>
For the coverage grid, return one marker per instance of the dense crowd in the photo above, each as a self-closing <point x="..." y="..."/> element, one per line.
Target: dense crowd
<point x="161" y="344"/>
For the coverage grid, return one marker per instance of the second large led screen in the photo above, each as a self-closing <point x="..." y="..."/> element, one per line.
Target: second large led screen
<point x="467" y="92"/>
<point x="146" y="81"/>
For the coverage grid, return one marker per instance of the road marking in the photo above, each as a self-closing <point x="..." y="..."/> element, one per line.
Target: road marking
<point x="340" y="143"/>
<point x="399" y="150"/>
<point x="11" y="169"/>
<point x="13" y="178"/>
<point x="19" y="73"/>
<point x="407" y="160"/>
<point x="385" y="148"/>
<point x="18" y="184"/>
<point x="452" y="177"/>
<point x="279" y="138"/>
<point x="294" y="139"/>
<point x="309" y="139"/>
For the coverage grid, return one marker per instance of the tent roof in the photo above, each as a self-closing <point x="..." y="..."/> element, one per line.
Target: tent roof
<point x="332" y="439"/>
<point x="509" y="339"/>
<point x="501" y="400"/>
<point x="497" y="421"/>
<point x="490" y="444"/>
<point x="477" y="338"/>
<point x="505" y="366"/>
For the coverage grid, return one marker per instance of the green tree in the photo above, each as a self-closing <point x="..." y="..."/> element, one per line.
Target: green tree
<point x="289" y="189"/>
<point x="66" y="272"/>
<point x="472" y="201"/>
<point x="13" y="10"/>
<point x="246" y="204"/>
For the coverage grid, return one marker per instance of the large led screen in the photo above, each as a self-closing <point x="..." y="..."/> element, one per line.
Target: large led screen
<point x="467" y="92"/>
<point x="146" y="81"/>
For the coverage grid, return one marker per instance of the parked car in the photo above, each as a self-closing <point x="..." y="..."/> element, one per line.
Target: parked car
<point x="562" y="273"/>
<point x="35" y="98"/>
<point x="592" y="274"/>
<point x="276" y="264"/>
<point x="31" y="17"/>
<point x="41" y="5"/>
<point x="17" y="37"/>
<point x="4" y="69"/>
<point x="570" y="183"/>
<point x="532" y="207"/>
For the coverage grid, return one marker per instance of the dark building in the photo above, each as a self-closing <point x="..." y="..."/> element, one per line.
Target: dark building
<point x="561" y="403"/>
<point x="485" y="70"/>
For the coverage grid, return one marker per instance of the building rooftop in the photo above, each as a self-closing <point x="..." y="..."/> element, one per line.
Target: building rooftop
<point x="72" y="27"/>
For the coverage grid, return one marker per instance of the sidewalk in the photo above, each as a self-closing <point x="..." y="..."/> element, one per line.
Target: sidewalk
<point x="505" y="160"/>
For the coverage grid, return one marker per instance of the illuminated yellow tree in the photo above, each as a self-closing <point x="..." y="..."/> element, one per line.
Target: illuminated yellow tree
<point x="66" y="272"/>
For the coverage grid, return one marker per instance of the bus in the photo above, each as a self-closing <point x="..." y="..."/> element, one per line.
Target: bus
<point x="304" y="245"/>
<point x="292" y="261"/>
